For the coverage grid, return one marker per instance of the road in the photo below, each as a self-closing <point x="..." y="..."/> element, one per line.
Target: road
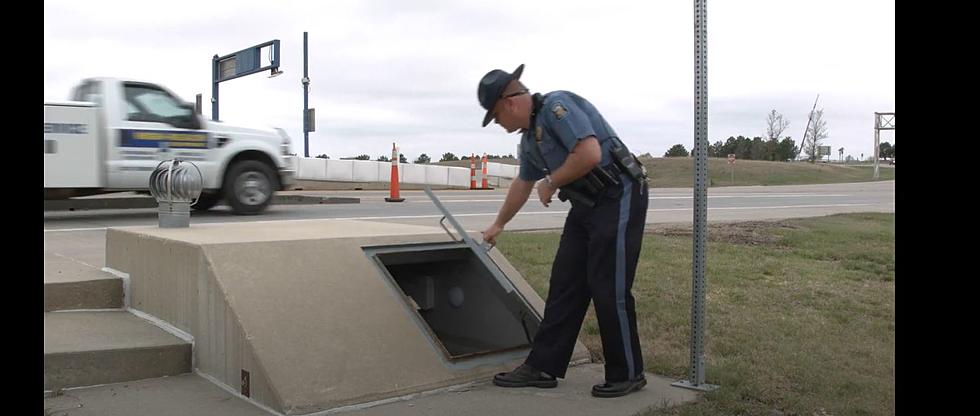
<point x="477" y="209"/>
<point x="80" y="235"/>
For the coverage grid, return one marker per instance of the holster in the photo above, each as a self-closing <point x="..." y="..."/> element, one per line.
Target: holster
<point x="587" y="189"/>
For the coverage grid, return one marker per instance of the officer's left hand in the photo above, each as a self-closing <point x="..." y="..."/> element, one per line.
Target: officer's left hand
<point x="545" y="191"/>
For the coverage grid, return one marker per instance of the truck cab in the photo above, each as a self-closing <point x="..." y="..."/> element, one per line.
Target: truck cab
<point x="114" y="132"/>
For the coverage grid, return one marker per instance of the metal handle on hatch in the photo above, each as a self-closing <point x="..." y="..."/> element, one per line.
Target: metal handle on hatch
<point x="443" y="224"/>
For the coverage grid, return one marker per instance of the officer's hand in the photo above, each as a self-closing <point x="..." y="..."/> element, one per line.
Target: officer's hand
<point x="491" y="233"/>
<point x="545" y="191"/>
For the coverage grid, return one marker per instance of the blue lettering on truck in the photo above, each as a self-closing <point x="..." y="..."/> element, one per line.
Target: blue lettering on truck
<point x="65" y="128"/>
<point x="161" y="138"/>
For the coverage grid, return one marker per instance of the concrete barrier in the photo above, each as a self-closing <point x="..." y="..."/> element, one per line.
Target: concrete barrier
<point x="436" y="175"/>
<point x="411" y="173"/>
<point x="312" y="168"/>
<point x="340" y="170"/>
<point x="366" y="171"/>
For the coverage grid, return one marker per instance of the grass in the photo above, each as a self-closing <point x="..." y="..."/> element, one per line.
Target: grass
<point x="678" y="172"/>
<point x="801" y="317"/>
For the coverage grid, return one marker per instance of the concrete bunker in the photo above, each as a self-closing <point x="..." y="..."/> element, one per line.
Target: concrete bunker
<point x="463" y="308"/>
<point x="307" y="316"/>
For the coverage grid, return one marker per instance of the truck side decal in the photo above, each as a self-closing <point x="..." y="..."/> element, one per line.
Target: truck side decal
<point x="65" y="128"/>
<point x="163" y="138"/>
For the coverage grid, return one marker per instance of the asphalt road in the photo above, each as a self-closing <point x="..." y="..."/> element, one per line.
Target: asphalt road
<point x="477" y="209"/>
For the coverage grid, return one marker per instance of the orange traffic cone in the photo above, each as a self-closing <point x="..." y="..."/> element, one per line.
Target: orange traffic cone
<point x="472" y="171"/>
<point x="483" y="184"/>
<point x="394" y="176"/>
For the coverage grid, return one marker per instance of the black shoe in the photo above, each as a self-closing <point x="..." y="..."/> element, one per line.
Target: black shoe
<point x="617" y="389"/>
<point x="525" y="376"/>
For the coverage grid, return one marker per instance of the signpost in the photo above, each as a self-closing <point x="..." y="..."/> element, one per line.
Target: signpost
<point x="731" y="161"/>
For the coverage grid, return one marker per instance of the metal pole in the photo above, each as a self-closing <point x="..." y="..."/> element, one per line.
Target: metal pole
<point x="306" y="99"/>
<point x="876" y="145"/>
<point x="214" y="88"/>
<point x="696" y="373"/>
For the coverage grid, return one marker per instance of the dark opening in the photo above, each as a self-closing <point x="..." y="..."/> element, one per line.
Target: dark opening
<point x="466" y="309"/>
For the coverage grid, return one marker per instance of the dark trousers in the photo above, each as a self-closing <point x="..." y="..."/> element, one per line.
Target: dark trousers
<point x="596" y="261"/>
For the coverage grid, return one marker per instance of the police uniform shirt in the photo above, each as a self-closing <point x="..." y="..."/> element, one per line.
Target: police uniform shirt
<point x="563" y="119"/>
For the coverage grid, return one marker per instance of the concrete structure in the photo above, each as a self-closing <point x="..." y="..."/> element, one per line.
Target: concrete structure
<point x="312" y="315"/>
<point x="372" y="172"/>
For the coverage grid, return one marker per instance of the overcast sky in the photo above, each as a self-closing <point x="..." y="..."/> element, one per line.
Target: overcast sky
<point x="407" y="71"/>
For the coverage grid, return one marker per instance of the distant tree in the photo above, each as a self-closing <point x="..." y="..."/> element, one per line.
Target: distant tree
<point x="383" y="158"/>
<point x="815" y="135"/>
<point x="885" y="150"/>
<point x="786" y="150"/>
<point x="323" y="156"/>
<point x="717" y="149"/>
<point x="758" y="149"/>
<point x="448" y="157"/>
<point x="402" y="158"/>
<point x="423" y="158"/>
<point x="362" y="157"/>
<point x="743" y="148"/>
<point x="775" y="125"/>
<point x="677" y="151"/>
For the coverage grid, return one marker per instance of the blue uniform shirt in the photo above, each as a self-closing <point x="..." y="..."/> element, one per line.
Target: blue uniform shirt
<point x="563" y="119"/>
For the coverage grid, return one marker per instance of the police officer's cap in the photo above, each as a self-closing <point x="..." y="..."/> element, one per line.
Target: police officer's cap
<point x="492" y="87"/>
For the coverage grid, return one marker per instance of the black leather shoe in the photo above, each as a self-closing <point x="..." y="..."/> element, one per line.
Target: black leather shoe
<point x="617" y="389"/>
<point x="525" y="376"/>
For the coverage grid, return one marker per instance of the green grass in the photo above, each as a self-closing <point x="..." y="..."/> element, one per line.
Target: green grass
<point x="678" y="172"/>
<point x="801" y="316"/>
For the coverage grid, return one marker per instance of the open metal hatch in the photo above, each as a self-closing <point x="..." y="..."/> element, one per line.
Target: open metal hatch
<point x="464" y="301"/>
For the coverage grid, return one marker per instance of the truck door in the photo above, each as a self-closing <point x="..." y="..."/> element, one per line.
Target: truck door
<point x="155" y="126"/>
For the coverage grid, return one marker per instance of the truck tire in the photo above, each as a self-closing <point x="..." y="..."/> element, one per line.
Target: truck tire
<point x="207" y="200"/>
<point x="249" y="186"/>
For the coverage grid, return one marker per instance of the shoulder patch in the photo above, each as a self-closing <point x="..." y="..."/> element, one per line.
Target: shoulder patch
<point x="559" y="110"/>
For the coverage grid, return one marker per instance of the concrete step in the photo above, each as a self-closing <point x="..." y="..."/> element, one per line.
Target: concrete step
<point x="85" y="348"/>
<point x="193" y="395"/>
<point x="69" y="284"/>
<point x="182" y="395"/>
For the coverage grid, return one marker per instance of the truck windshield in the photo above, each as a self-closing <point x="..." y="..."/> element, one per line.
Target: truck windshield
<point x="146" y="103"/>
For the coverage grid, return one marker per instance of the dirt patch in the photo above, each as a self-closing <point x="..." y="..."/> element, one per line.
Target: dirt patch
<point x="748" y="232"/>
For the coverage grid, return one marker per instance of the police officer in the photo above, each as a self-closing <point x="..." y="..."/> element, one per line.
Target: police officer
<point x="567" y="147"/>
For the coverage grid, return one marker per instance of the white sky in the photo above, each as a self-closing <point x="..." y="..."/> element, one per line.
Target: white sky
<point x="407" y="71"/>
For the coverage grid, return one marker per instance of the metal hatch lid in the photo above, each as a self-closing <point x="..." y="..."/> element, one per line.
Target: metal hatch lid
<point x="479" y="249"/>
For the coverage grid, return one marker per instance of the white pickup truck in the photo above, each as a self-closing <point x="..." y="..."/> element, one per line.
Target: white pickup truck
<point x="114" y="132"/>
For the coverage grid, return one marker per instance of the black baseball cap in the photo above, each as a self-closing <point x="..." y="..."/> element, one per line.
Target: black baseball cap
<point x="492" y="87"/>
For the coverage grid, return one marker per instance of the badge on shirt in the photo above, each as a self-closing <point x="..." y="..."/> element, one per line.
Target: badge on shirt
<point x="537" y="134"/>
<point x="559" y="110"/>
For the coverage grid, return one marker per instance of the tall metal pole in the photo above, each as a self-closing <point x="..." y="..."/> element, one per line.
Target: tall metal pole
<point x="306" y="99"/>
<point x="696" y="373"/>
<point x="214" y="88"/>
<point x="877" y="142"/>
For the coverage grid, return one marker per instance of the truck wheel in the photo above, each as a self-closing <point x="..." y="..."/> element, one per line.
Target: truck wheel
<point x="207" y="200"/>
<point x="249" y="186"/>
